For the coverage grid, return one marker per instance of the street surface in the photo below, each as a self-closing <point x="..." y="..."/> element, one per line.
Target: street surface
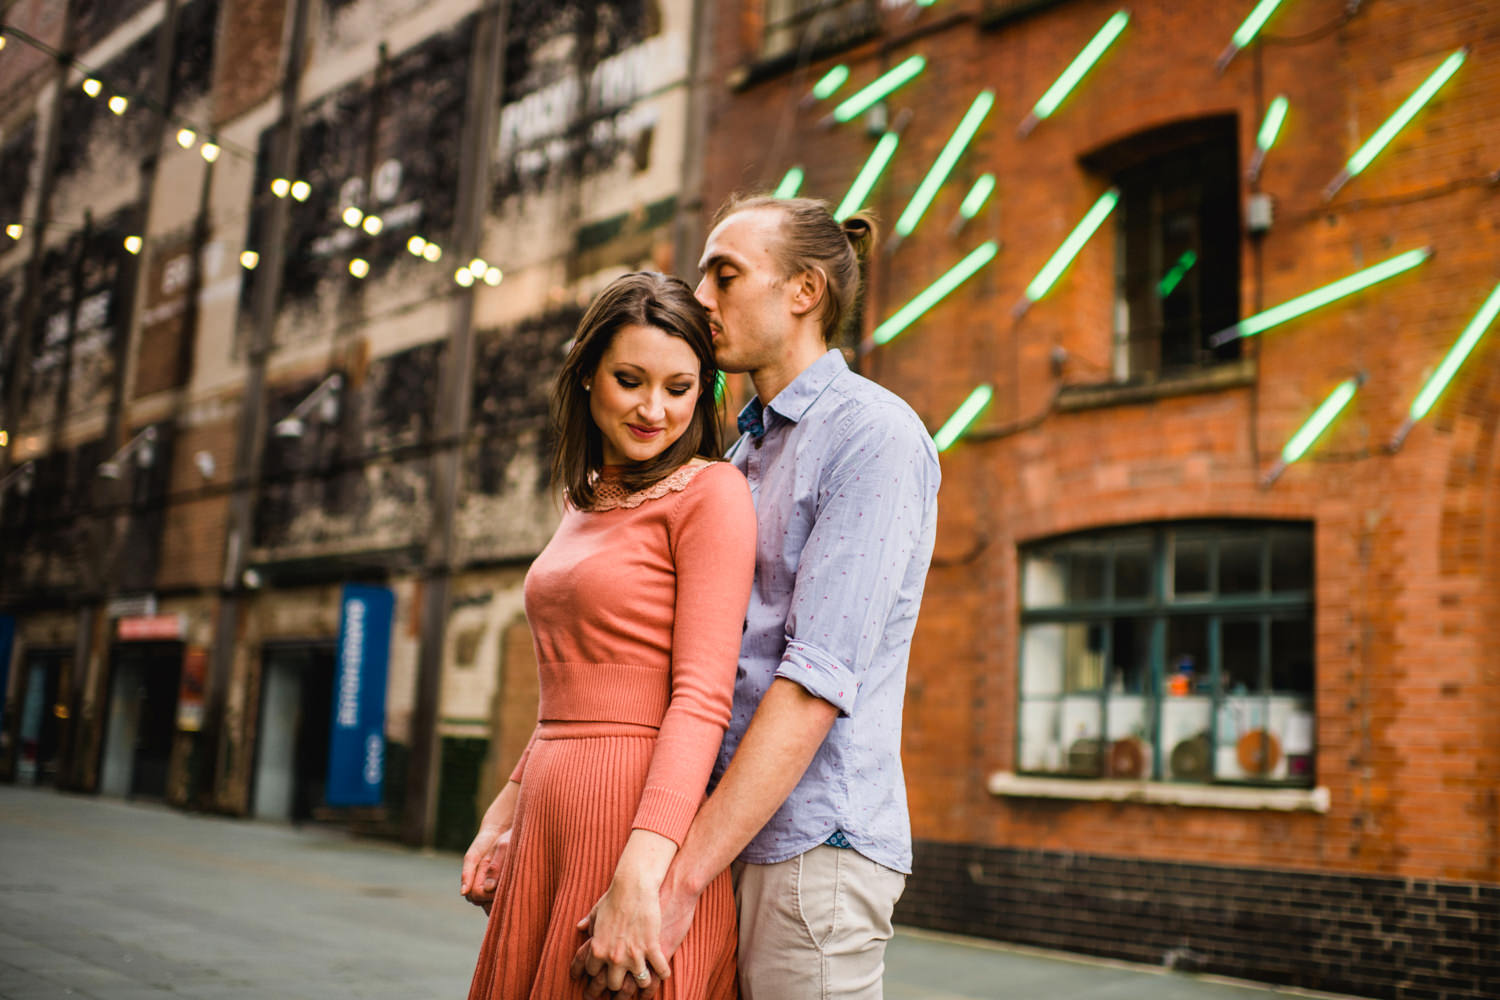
<point x="101" y="898"/>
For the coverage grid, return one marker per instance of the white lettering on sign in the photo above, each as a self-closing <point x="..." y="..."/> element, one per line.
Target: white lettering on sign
<point x="352" y="659"/>
<point x="618" y="81"/>
<point x="374" y="759"/>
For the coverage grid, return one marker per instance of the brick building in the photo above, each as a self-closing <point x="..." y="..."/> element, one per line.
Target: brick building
<point x="1165" y="704"/>
<point x="284" y="283"/>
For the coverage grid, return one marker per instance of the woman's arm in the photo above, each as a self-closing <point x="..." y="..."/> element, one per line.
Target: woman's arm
<point x="476" y="882"/>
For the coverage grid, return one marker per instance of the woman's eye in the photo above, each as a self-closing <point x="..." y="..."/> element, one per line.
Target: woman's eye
<point x="679" y="390"/>
<point x="626" y="383"/>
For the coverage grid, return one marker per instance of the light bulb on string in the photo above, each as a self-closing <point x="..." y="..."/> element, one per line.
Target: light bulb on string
<point x="15" y="230"/>
<point x="478" y="266"/>
<point x="133" y="244"/>
<point x="301" y="189"/>
<point x="186" y="137"/>
<point x="464" y="276"/>
<point x="432" y="253"/>
<point x="352" y="216"/>
<point x="493" y="276"/>
<point x="373" y="225"/>
<point x="415" y="246"/>
<point x="209" y="151"/>
<point x="281" y="187"/>
<point x="359" y="267"/>
<point x="249" y="259"/>
<point x="118" y="104"/>
<point x="92" y="87"/>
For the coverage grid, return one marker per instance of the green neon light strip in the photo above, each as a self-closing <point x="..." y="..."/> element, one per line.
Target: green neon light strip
<point x="977" y="196"/>
<point x="1263" y="321"/>
<point x="1319" y="421"/>
<point x="864" y="181"/>
<point x="859" y="103"/>
<point x="959" y="141"/>
<point x="1064" y="254"/>
<point x="1456" y="356"/>
<point x="967" y="412"/>
<point x="1396" y="122"/>
<point x="719" y="383"/>
<point x="790" y="184"/>
<point x="1246" y="32"/>
<point x="1271" y="127"/>
<point x="830" y="82"/>
<point x="935" y="292"/>
<point x="1080" y="66"/>
<point x="1173" y="278"/>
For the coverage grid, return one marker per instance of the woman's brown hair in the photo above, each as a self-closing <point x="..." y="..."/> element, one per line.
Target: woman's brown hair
<point x="643" y="298"/>
<point x="812" y="239"/>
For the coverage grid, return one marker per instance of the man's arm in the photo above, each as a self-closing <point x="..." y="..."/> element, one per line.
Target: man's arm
<point x="784" y="734"/>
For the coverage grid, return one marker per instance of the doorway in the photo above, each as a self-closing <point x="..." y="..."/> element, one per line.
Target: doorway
<point x="43" y="699"/>
<point x="291" y="745"/>
<point x="142" y="719"/>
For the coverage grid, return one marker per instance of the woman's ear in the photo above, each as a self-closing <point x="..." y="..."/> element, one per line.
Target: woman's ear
<point x="808" y="289"/>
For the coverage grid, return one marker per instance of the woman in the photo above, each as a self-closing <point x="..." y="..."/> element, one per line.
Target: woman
<point x="636" y="607"/>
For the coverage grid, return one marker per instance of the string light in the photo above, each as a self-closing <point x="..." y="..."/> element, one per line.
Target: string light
<point x="352" y="216"/>
<point x="959" y="141"/>
<point x="118" y="103"/>
<point x="883" y="85"/>
<point x="1076" y="71"/>
<point x="1451" y="363"/>
<point x="249" y="259"/>
<point x="464" y="277"/>
<point x="359" y="267"/>
<point x="415" y="246"/>
<point x="790" y="183"/>
<point x="493" y="276"/>
<point x="1063" y="256"/>
<point x="830" y="82"/>
<point x="132" y="244"/>
<point x="209" y="151"/>
<point x="1396" y="122"/>
<point x="1246" y="32"/>
<point x="92" y="87"/>
<point x="15" y="230"/>
<point x="935" y="292"/>
<point x="301" y="189"/>
<point x="477" y="267"/>
<point x="1319" y="422"/>
<point x="864" y="181"/>
<point x="373" y="225"/>
<point x="432" y="253"/>
<point x="186" y="137"/>
<point x="281" y="187"/>
<point x="1293" y="308"/>
<point x="968" y="411"/>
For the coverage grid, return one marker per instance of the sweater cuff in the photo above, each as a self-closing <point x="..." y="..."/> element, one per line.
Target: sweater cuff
<point x="666" y="812"/>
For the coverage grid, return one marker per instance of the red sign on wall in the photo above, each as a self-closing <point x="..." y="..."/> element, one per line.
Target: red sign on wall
<point x="149" y="627"/>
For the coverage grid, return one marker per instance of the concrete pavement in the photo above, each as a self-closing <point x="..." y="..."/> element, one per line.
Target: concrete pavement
<point x="118" y="901"/>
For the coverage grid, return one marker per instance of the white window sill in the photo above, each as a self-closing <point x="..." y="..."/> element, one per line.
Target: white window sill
<point x="1006" y="784"/>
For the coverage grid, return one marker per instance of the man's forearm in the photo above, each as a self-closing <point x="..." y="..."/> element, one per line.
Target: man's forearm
<point x="784" y="735"/>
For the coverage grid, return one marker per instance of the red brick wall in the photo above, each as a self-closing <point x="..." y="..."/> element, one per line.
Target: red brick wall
<point x="253" y="30"/>
<point x="192" y="553"/>
<point x="1405" y="543"/>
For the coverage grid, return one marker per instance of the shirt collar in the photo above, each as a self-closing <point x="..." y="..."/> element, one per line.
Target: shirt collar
<point x="793" y="401"/>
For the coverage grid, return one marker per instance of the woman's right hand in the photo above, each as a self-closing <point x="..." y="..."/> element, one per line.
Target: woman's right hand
<point x="486" y="855"/>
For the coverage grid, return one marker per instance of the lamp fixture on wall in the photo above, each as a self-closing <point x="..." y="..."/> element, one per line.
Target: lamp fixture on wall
<point x="142" y="446"/>
<point x="324" y="400"/>
<point x="21" y="479"/>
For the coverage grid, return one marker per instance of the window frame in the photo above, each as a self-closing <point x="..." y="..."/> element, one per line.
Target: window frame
<point x="1159" y="609"/>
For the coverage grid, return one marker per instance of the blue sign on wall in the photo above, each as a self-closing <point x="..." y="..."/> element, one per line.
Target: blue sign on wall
<point x="356" y="744"/>
<point x="7" y="637"/>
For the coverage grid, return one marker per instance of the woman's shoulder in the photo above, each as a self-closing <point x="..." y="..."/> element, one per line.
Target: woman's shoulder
<point x="713" y="478"/>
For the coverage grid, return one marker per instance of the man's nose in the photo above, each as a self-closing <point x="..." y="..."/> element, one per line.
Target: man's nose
<point x="701" y="293"/>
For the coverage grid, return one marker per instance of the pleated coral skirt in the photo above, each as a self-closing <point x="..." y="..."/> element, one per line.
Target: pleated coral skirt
<point x="578" y="797"/>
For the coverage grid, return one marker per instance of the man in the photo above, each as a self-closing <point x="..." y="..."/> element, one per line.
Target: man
<point x="809" y="793"/>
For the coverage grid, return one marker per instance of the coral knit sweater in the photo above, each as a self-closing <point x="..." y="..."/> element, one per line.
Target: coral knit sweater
<point x="637" y="613"/>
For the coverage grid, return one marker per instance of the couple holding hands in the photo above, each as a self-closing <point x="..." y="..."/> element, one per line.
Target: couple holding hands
<point x="712" y="803"/>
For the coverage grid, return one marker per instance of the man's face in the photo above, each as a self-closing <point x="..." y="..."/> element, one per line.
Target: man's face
<point x="748" y="301"/>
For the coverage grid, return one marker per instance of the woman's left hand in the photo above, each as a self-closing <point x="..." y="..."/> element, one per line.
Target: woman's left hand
<point x="624" y="927"/>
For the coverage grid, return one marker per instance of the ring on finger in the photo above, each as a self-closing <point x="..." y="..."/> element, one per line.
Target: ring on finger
<point x="642" y="977"/>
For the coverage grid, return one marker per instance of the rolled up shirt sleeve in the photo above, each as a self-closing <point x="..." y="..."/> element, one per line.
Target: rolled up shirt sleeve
<point x="868" y="523"/>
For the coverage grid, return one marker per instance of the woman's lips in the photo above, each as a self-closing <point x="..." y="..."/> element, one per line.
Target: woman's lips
<point x="644" y="433"/>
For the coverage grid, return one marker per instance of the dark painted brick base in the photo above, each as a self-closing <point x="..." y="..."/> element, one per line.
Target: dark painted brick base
<point x="1398" y="938"/>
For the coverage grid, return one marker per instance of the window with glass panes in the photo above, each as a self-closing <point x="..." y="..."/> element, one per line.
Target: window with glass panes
<point x="1178" y="652"/>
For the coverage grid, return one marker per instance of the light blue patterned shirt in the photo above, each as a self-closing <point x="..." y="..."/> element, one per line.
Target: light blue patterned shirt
<point x="845" y="481"/>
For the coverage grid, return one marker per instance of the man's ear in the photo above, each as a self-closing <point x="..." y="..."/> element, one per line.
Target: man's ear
<point x="808" y="289"/>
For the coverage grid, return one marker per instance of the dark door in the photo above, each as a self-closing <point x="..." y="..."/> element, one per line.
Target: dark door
<point x="291" y="755"/>
<point x="43" y="701"/>
<point x="143" y="715"/>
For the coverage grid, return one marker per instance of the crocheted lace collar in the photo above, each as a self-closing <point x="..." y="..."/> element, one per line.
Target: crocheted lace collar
<point x="609" y="494"/>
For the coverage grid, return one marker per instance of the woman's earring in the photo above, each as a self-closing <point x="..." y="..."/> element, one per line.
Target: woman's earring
<point x="588" y="387"/>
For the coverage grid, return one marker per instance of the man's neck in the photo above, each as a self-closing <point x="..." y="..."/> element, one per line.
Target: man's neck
<point x="798" y="357"/>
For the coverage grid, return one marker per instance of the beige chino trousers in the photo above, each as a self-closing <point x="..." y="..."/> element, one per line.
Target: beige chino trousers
<point x="815" y="927"/>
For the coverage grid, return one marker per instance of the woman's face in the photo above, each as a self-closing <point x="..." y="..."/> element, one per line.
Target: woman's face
<point x="643" y="393"/>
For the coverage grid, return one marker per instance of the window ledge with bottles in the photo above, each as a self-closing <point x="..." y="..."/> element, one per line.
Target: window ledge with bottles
<point x="1006" y="784"/>
<point x="1169" y="662"/>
